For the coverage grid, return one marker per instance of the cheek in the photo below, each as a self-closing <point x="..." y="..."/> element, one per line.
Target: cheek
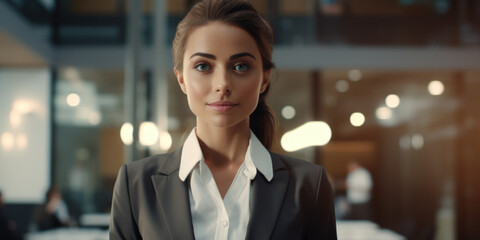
<point x="196" y="91"/>
<point x="252" y="86"/>
<point x="251" y="92"/>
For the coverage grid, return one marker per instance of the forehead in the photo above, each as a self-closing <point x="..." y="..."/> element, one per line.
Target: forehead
<point x="221" y="40"/>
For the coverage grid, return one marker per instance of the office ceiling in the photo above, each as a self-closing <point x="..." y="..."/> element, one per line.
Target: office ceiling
<point x="15" y="54"/>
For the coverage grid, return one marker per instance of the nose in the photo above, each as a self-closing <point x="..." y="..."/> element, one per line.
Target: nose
<point x="222" y="83"/>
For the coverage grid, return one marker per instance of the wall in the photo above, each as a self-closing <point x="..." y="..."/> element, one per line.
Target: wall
<point x="24" y="134"/>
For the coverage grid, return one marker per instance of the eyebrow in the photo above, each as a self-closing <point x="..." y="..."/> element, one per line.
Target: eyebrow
<point x="203" y="55"/>
<point x="233" y="57"/>
<point x="239" y="55"/>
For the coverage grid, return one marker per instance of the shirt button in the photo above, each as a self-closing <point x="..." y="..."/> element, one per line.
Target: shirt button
<point x="225" y="223"/>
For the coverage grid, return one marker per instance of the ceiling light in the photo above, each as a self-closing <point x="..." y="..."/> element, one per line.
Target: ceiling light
<point x="316" y="133"/>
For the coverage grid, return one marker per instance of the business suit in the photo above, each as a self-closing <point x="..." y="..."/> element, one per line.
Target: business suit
<point x="151" y="202"/>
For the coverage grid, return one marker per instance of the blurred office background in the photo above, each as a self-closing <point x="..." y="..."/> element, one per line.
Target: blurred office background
<point x="397" y="83"/>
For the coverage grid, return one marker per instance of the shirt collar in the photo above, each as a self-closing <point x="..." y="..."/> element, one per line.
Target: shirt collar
<point x="191" y="155"/>
<point x="257" y="157"/>
<point x="260" y="157"/>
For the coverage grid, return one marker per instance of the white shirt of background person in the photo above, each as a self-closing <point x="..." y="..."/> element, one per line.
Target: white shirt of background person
<point x="359" y="184"/>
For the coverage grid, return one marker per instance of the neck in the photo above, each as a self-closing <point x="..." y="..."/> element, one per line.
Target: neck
<point x="223" y="145"/>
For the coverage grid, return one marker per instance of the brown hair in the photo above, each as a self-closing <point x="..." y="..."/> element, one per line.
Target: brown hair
<point x="239" y="13"/>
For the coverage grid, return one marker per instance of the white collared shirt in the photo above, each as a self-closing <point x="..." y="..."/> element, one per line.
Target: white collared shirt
<point x="212" y="216"/>
<point x="359" y="184"/>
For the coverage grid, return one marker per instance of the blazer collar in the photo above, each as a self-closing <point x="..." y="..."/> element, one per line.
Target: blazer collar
<point x="267" y="201"/>
<point x="172" y="196"/>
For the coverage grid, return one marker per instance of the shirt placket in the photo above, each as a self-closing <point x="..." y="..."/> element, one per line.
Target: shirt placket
<point x="234" y="198"/>
<point x="222" y="223"/>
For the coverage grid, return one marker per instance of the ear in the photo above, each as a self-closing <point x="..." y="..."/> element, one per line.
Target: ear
<point x="266" y="80"/>
<point x="180" y="80"/>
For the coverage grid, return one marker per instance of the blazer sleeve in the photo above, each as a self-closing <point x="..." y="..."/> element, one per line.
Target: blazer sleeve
<point x="323" y="224"/>
<point x="122" y="222"/>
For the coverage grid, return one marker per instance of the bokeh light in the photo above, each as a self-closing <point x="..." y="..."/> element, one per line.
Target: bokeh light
<point x="357" y="119"/>
<point x="73" y="100"/>
<point x="436" y="88"/>
<point x="392" y="101"/>
<point x="8" y="141"/>
<point x="316" y="133"/>
<point x="383" y="113"/>
<point x="417" y="141"/>
<point x="288" y="112"/>
<point x="22" y="141"/>
<point x="148" y="133"/>
<point x="342" y="86"/>
<point x="165" y="140"/>
<point x="126" y="133"/>
<point x="354" y="75"/>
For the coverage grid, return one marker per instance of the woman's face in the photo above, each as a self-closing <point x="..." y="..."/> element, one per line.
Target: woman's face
<point x="222" y="74"/>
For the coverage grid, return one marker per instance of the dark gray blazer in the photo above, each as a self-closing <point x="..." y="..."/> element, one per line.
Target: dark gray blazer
<point x="151" y="202"/>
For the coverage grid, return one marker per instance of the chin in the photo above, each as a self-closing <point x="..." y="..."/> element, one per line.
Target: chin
<point x="223" y="121"/>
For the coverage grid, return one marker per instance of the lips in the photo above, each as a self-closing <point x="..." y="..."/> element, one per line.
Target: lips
<point x="222" y="106"/>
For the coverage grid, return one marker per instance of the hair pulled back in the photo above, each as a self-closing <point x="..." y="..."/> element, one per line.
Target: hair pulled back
<point x="239" y="13"/>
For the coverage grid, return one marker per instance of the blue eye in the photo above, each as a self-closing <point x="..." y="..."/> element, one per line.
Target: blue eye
<point x="202" y="67"/>
<point x="242" y="67"/>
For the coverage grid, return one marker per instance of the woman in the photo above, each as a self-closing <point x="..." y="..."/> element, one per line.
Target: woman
<point x="223" y="183"/>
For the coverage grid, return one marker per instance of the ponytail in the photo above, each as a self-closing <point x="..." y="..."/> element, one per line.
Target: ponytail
<point x="262" y="122"/>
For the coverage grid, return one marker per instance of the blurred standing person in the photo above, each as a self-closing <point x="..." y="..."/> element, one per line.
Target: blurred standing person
<point x="359" y="186"/>
<point x="54" y="213"/>
<point x="81" y="185"/>
<point x="7" y="226"/>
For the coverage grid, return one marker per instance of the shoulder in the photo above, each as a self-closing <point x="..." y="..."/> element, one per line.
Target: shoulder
<point x="164" y="164"/>
<point x="309" y="177"/>
<point x="311" y="190"/>
<point x="296" y="166"/>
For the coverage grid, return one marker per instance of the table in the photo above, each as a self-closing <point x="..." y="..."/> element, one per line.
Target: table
<point x="364" y="230"/>
<point x="70" y="234"/>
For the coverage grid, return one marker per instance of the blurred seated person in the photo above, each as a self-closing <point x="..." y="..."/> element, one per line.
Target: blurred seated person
<point x="7" y="226"/>
<point x="54" y="213"/>
<point x="358" y="186"/>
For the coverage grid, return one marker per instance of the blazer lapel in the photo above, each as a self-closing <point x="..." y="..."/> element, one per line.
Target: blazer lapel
<point x="267" y="201"/>
<point x="172" y="195"/>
